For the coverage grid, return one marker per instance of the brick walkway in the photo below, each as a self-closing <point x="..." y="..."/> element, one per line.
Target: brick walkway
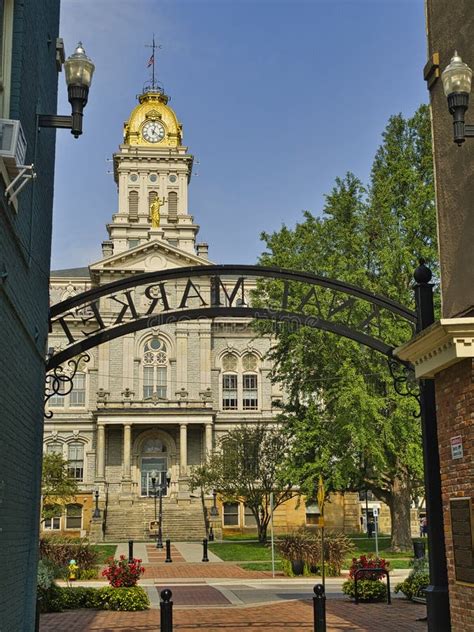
<point x="206" y="570"/>
<point x="289" y="616"/>
<point x="156" y="556"/>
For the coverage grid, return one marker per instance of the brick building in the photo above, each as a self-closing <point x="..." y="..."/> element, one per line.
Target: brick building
<point x="29" y="77"/>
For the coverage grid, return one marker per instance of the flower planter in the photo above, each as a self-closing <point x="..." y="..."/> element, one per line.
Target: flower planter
<point x="297" y="566"/>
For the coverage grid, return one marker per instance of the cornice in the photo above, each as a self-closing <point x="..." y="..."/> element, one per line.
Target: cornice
<point x="446" y="342"/>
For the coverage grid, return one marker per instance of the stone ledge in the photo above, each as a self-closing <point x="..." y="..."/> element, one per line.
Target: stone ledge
<point x="445" y="343"/>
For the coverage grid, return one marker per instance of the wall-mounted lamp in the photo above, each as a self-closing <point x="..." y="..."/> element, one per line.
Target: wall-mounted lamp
<point x="456" y="79"/>
<point x="79" y="70"/>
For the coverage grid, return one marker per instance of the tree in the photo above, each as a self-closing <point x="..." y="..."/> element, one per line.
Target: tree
<point x="248" y="467"/>
<point x="346" y="420"/>
<point x="57" y="487"/>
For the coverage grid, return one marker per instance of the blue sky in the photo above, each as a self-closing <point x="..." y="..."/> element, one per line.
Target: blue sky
<point x="277" y="99"/>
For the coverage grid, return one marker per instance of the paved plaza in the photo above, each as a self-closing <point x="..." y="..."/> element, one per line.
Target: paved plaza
<point x="222" y="596"/>
<point x="289" y="616"/>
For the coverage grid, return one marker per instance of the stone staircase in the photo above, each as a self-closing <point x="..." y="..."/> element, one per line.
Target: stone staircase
<point x="183" y="521"/>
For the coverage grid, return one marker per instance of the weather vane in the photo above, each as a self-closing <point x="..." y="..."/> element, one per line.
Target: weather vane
<point x="151" y="61"/>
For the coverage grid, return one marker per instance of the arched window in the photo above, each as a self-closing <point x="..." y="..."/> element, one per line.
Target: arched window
<point x="151" y="196"/>
<point x="133" y="206"/>
<point x="249" y="382"/>
<point x="172" y="206"/>
<point x="55" y="447"/>
<point x="75" y="460"/>
<point x="229" y="382"/>
<point x="155" y="368"/>
<point x="74" y="516"/>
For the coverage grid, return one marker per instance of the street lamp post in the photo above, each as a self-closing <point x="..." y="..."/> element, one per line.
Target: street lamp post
<point x="214" y="511"/>
<point x="161" y="488"/>
<point x="154" y="475"/>
<point x="96" y="513"/>
<point x="456" y="79"/>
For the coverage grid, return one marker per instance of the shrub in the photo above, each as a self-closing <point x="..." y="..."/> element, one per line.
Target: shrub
<point x="413" y="584"/>
<point x="87" y="573"/>
<point x="367" y="589"/>
<point x="129" y="599"/>
<point x="48" y="593"/>
<point x="368" y="561"/>
<point x="294" y="546"/>
<point x="122" y="573"/>
<point x="78" y="597"/>
<point x="60" y="550"/>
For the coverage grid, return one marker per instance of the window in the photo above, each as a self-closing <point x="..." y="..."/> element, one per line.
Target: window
<point x="73" y="516"/>
<point x="229" y="391"/>
<point x="75" y="460"/>
<point x="151" y="196"/>
<point x="78" y="393"/>
<point x="52" y="523"/>
<point x="240" y="382"/>
<point x="231" y="514"/>
<point x="312" y="513"/>
<point x="133" y="206"/>
<point x="54" y="448"/>
<point x="6" y="31"/>
<point x="172" y="206"/>
<point x="250" y="391"/>
<point x="155" y="369"/>
<point x="57" y="401"/>
<point x="133" y="243"/>
<point x="249" y="518"/>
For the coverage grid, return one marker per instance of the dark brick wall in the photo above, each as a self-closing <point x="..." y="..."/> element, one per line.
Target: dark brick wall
<point x="25" y="244"/>
<point x="455" y="410"/>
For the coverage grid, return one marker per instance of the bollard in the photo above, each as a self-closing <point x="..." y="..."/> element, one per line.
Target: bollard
<point x="168" y="552"/>
<point x="130" y="551"/>
<point x="319" y="605"/>
<point x="166" y="611"/>
<point x="204" y="551"/>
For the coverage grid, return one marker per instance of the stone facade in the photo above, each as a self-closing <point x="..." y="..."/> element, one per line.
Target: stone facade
<point x="159" y="399"/>
<point x="29" y="79"/>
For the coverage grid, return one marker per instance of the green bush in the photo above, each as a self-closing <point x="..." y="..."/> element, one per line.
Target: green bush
<point x="78" y="597"/>
<point x="48" y="593"/>
<point x="60" y="551"/>
<point x="367" y="589"/>
<point x="413" y="584"/>
<point x="129" y="599"/>
<point x="87" y="573"/>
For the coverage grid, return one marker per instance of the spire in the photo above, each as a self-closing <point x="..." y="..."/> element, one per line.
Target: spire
<point x="152" y="85"/>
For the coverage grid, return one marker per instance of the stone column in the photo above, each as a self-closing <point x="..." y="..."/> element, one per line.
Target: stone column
<point x="183" y="449"/>
<point x="208" y="439"/>
<point x="100" y="452"/>
<point x="127" y="449"/>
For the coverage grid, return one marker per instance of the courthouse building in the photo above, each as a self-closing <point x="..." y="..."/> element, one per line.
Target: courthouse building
<point x="158" y="400"/>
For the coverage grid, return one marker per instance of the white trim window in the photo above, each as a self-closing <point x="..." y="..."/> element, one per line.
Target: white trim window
<point x="75" y="461"/>
<point x="55" y="447"/>
<point x="57" y="401"/>
<point x="52" y="524"/>
<point x="6" y="43"/>
<point x="249" y="518"/>
<point x="229" y="391"/>
<point x="250" y="391"/>
<point x="77" y="397"/>
<point x="230" y="514"/>
<point x="74" y="516"/>
<point x="155" y="369"/>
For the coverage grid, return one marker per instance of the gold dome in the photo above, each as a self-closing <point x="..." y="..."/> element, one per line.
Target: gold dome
<point x="153" y="106"/>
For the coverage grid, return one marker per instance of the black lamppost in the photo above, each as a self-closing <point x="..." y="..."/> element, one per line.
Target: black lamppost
<point x="456" y="79"/>
<point x="96" y="513"/>
<point x="79" y="70"/>
<point x="161" y="488"/>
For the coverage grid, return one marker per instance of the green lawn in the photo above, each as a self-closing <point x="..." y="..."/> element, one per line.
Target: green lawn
<point x="240" y="549"/>
<point x="105" y="551"/>
<point x="234" y="551"/>
<point x="261" y="566"/>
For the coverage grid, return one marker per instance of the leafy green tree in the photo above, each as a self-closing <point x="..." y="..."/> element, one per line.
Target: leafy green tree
<point x="57" y="487"/>
<point x="248" y="467"/>
<point x="342" y="412"/>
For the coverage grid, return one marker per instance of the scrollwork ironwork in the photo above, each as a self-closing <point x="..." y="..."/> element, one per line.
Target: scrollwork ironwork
<point x="60" y="381"/>
<point x="404" y="381"/>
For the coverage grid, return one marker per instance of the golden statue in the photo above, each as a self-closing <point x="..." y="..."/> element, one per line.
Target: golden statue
<point x="155" y="211"/>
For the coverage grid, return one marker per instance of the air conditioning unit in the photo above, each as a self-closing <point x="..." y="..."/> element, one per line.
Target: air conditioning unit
<point x="12" y="145"/>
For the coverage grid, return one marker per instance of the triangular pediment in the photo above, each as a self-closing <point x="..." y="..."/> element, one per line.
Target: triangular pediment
<point x="151" y="256"/>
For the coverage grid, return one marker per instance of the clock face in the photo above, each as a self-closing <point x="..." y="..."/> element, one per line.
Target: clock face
<point x="153" y="132"/>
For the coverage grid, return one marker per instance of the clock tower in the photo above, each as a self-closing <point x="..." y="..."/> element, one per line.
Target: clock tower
<point x="152" y="170"/>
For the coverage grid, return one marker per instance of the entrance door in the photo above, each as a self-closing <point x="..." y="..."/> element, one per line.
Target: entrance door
<point x="149" y="464"/>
